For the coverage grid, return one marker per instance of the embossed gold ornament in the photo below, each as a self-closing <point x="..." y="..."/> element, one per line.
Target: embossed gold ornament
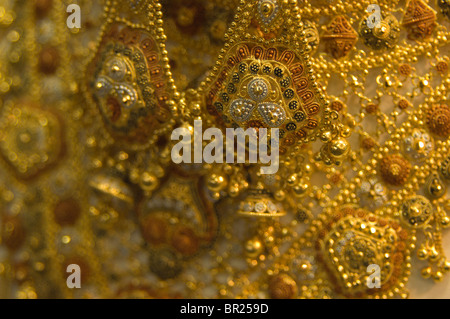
<point x="417" y="211"/>
<point x="382" y="36"/>
<point x="352" y="240"/>
<point x="339" y="37"/>
<point x="419" y="19"/>
<point x="87" y="177"/>
<point x="129" y="85"/>
<point x="32" y="139"/>
<point x="394" y="169"/>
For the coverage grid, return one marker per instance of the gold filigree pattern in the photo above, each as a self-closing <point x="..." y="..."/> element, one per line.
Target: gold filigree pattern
<point x="87" y="176"/>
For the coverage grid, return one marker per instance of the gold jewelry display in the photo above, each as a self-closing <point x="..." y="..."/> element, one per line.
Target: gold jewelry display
<point x="359" y="93"/>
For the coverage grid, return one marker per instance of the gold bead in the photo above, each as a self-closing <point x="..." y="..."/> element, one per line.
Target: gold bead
<point x="426" y="272"/>
<point x="253" y="247"/>
<point x="434" y="254"/>
<point x="279" y="195"/>
<point x="445" y="221"/>
<point x="438" y="276"/>
<point x="326" y="137"/>
<point x="308" y="168"/>
<point x="339" y="147"/>
<point x="422" y="254"/>
<point x="291" y="180"/>
<point x="233" y="191"/>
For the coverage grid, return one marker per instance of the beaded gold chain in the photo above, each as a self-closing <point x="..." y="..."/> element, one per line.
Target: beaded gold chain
<point x="357" y="90"/>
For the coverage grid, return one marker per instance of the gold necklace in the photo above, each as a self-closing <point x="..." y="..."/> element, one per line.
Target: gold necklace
<point x="360" y="101"/>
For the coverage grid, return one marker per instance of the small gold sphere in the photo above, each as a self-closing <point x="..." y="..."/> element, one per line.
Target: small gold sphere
<point x="279" y="195"/>
<point x="438" y="276"/>
<point x="419" y="145"/>
<point x="253" y="247"/>
<point x="446" y="266"/>
<point x="305" y="267"/>
<point x="346" y="131"/>
<point x="291" y="180"/>
<point x="326" y="137"/>
<point x="267" y="9"/>
<point x="382" y="31"/>
<point x="307" y="168"/>
<point x="216" y="182"/>
<point x="445" y="221"/>
<point x="233" y="191"/>
<point x="339" y="148"/>
<point x="149" y="182"/>
<point x="426" y="272"/>
<point x="434" y="254"/>
<point x="300" y="189"/>
<point x="422" y="254"/>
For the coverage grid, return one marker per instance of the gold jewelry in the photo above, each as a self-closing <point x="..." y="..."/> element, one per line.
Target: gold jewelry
<point x="86" y="117"/>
